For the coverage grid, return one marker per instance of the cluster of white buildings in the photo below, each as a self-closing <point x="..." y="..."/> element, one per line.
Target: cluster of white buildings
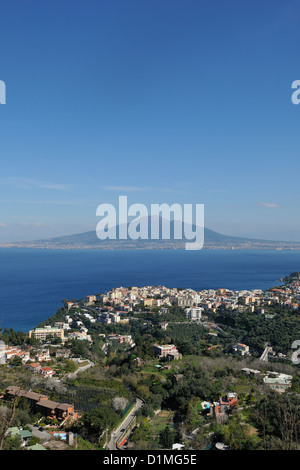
<point x="209" y="299"/>
<point x="109" y="317"/>
<point x="125" y="299"/>
<point x="122" y="339"/>
<point x="9" y="352"/>
<point x="150" y="296"/>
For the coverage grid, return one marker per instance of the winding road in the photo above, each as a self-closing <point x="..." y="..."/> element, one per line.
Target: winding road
<point x="116" y="435"/>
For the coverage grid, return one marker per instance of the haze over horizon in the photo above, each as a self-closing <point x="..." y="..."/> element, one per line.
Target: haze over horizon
<point x="211" y="238"/>
<point x="175" y="102"/>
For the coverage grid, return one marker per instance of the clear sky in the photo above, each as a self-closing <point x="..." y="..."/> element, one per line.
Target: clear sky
<point x="160" y="100"/>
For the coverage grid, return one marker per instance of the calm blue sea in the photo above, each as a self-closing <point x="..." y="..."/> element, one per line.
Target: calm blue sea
<point x="33" y="282"/>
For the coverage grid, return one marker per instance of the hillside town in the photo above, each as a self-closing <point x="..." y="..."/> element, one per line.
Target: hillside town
<point x="126" y="299"/>
<point x="147" y="344"/>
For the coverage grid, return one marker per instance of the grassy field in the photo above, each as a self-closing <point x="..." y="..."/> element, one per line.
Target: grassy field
<point x="160" y="421"/>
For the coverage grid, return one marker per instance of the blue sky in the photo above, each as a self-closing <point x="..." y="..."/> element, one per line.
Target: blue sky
<point x="162" y="101"/>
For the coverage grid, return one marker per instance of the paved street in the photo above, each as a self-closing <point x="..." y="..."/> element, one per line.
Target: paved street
<point x="73" y="375"/>
<point x="44" y="435"/>
<point x="119" y="431"/>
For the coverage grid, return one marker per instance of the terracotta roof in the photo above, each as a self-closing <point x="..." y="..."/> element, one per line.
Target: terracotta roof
<point x="48" y="404"/>
<point x="64" y="406"/>
<point x="35" y="396"/>
<point x="14" y="390"/>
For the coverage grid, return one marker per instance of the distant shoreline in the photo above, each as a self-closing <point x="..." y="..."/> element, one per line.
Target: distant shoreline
<point x="34" y="280"/>
<point x="212" y="241"/>
<point x="289" y="246"/>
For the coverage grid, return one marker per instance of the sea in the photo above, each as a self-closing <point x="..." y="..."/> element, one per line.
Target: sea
<point x="34" y="282"/>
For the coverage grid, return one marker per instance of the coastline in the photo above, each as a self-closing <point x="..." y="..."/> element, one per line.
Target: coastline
<point x="58" y="274"/>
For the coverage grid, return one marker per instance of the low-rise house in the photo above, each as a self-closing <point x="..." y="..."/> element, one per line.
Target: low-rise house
<point x="225" y="404"/>
<point x="105" y="320"/>
<point x="41" y="403"/>
<point x="89" y="317"/>
<point x="11" y="352"/>
<point x="23" y="433"/>
<point x="163" y="311"/>
<point x="90" y="299"/>
<point x="152" y="302"/>
<point x="115" y="318"/>
<point x="64" y="326"/>
<point x="278" y="382"/>
<point x="177" y="378"/>
<point x="33" y="367"/>
<point x="80" y="335"/>
<point x="33" y="398"/>
<point x="24" y="355"/>
<point x="47" y="371"/>
<point x="251" y="372"/>
<point x="65" y="353"/>
<point x="69" y="305"/>
<point x="164" y="349"/>
<point x="36" y="447"/>
<point x="43" y="356"/>
<point x="53" y="409"/>
<point x="174" y="356"/>
<point x="241" y="349"/>
<point x="122" y="339"/>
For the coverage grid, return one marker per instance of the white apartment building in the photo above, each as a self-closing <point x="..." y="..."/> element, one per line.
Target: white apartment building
<point x="46" y="332"/>
<point x="194" y="313"/>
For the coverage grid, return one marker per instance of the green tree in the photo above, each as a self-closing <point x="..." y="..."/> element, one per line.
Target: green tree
<point x="13" y="443"/>
<point x="167" y="438"/>
<point x="16" y="361"/>
<point x="98" y="419"/>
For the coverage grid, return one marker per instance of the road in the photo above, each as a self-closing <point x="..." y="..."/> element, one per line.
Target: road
<point x="43" y="435"/>
<point x="115" y="436"/>
<point x="72" y="375"/>
<point x="264" y="356"/>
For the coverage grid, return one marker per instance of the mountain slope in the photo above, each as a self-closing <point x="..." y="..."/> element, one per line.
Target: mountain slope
<point x="212" y="240"/>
